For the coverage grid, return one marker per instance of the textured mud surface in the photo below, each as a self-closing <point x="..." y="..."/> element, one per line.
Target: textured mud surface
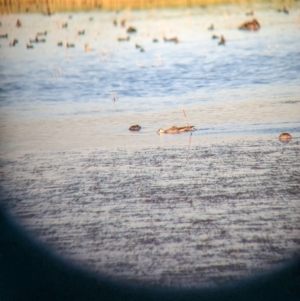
<point x="216" y="211"/>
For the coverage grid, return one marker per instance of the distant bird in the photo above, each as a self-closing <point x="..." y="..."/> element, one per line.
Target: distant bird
<point x="81" y="32"/>
<point x="123" y="22"/>
<point x="3" y="36"/>
<point x="42" y="33"/>
<point x="250" y="25"/>
<point x="37" y="40"/>
<point x="64" y="25"/>
<point x="250" y="13"/>
<point x="124" y="39"/>
<point x="29" y="46"/>
<point x="18" y="24"/>
<point x="138" y="46"/>
<point x="60" y="43"/>
<point x="115" y="22"/>
<point x="211" y="27"/>
<point x="175" y="40"/>
<point x="114" y="96"/>
<point x="69" y="45"/>
<point x="155" y="40"/>
<point x="214" y="37"/>
<point x="177" y="130"/>
<point x="135" y="127"/>
<point x="131" y="29"/>
<point x="222" y="40"/>
<point x="284" y="10"/>
<point x="13" y="43"/>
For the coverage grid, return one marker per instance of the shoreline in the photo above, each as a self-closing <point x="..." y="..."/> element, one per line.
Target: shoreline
<point x="27" y="6"/>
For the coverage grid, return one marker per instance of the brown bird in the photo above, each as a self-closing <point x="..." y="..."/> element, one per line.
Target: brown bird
<point x="250" y="25"/>
<point x="176" y="130"/>
<point x="135" y="127"/>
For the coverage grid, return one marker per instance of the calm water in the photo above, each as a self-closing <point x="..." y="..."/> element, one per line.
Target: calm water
<point x="175" y="210"/>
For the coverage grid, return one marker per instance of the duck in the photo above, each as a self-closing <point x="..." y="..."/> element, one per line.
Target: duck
<point x="131" y="29"/>
<point x="37" y="40"/>
<point x="60" y="43"/>
<point x="174" y="39"/>
<point x="177" y="130"/>
<point x="29" y="46"/>
<point x="285" y="137"/>
<point x="284" y="10"/>
<point x="250" y="25"/>
<point x="211" y="27"/>
<point x="135" y="127"/>
<point x="69" y="45"/>
<point x="18" y="24"/>
<point x="222" y="40"/>
<point x="123" y="39"/>
<point x="4" y="36"/>
<point x="64" y="25"/>
<point x="81" y="32"/>
<point x="41" y="33"/>
<point x="13" y="43"/>
<point x="123" y="22"/>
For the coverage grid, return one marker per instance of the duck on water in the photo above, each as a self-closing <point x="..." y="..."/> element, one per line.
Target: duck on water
<point x="176" y="130"/>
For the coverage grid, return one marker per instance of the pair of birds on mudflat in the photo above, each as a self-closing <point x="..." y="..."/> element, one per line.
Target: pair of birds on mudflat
<point x="173" y="130"/>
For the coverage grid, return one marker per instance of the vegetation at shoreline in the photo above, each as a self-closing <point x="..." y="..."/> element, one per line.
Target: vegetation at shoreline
<point x="49" y="7"/>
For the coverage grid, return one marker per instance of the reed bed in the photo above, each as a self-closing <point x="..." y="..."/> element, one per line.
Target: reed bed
<point x="51" y="6"/>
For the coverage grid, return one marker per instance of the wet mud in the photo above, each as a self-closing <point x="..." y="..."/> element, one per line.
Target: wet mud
<point x="167" y="215"/>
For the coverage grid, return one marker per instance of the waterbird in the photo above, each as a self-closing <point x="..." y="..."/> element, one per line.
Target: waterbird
<point x="81" y="32"/>
<point x="285" y="137"/>
<point x="123" y="39"/>
<point x="64" y="25"/>
<point x="60" y="43"/>
<point x="2" y="36"/>
<point x="13" y="43"/>
<point x="174" y="39"/>
<point x="284" y="10"/>
<point x="41" y="33"/>
<point x="214" y="37"/>
<point x="177" y="130"/>
<point x="18" y="24"/>
<point x="123" y="22"/>
<point x="222" y="40"/>
<point x="29" y="46"/>
<point x="135" y="127"/>
<point x="131" y="29"/>
<point x="70" y="45"/>
<point x="211" y="27"/>
<point x="250" y="25"/>
<point x="250" y="13"/>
